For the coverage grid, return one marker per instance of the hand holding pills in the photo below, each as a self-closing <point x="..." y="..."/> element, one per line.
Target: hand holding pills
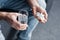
<point x="41" y="17"/>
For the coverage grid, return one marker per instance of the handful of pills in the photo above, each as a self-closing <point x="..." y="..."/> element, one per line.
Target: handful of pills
<point x="40" y="15"/>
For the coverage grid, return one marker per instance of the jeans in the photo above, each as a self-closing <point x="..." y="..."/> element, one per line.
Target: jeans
<point x="1" y="36"/>
<point x="32" y="23"/>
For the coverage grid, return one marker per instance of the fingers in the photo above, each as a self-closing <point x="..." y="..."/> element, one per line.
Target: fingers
<point x="14" y="13"/>
<point x="23" y="26"/>
<point x="41" y="20"/>
<point x="18" y="14"/>
<point x="15" y="25"/>
<point x="19" y="26"/>
<point x="44" y="18"/>
<point x="34" y="11"/>
<point x="45" y="15"/>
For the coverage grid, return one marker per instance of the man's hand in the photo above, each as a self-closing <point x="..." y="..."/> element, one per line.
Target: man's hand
<point x="37" y="8"/>
<point x="11" y="17"/>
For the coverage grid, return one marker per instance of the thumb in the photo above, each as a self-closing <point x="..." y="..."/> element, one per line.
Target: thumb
<point x="18" y="14"/>
<point x="34" y="11"/>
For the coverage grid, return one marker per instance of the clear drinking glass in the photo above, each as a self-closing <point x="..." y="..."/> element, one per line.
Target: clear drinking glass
<point x="23" y="18"/>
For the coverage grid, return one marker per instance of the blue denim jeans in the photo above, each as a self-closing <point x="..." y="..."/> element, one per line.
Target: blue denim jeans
<point x="1" y="36"/>
<point x="32" y="23"/>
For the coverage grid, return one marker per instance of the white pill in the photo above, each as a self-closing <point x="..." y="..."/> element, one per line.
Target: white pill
<point x="40" y="15"/>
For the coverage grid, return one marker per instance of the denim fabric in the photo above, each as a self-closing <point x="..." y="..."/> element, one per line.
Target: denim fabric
<point x="1" y="36"/>
<point x="14" y="4"/>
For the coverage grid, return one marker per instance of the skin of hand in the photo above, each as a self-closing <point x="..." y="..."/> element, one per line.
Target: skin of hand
<point x="37" y="8"/>
<point x="11" y="17"/>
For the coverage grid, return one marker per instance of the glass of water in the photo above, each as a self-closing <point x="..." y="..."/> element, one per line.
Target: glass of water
<point x="23" y="18"/>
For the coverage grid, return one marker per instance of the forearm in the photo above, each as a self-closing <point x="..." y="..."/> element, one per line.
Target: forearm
<point x="2" y="15"/>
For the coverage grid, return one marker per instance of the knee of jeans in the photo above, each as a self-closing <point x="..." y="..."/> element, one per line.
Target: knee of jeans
<point x="42" y="3"/>
<point x="26" y="36"/>
<point x="1" y="36"/>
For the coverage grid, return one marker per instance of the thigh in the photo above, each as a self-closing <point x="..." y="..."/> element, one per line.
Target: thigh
<point x="42" y="3"/>
<point x="32" y="23"/>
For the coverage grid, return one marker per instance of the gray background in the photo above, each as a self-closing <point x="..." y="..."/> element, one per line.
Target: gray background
<point x="48" y="31"/>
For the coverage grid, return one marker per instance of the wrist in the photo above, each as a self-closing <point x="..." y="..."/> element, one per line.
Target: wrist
<point x="3" y="15"/>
